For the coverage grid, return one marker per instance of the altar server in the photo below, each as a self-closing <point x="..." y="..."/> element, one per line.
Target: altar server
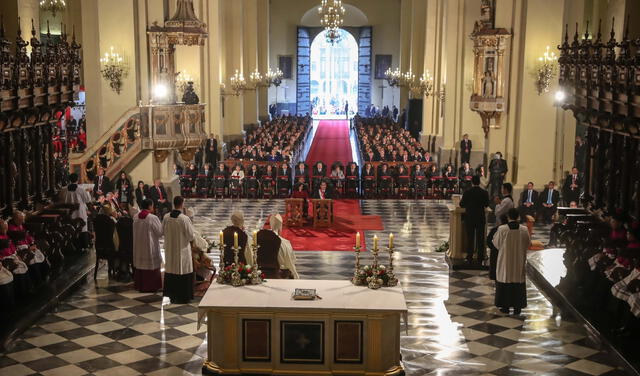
<point x="147" y="231"/>
<point x="286" y="257"/>
<point x="178" y="234"/>
<point x="72" y="194"/>
<point x="512" y="241"/>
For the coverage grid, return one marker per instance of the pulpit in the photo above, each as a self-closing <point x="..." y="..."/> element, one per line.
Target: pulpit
<point x="322" y="213"/>
<point x="458" y="242"/>
<point x="294" y="212"/>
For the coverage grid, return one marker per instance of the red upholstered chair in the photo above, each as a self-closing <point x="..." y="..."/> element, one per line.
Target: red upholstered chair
<point x="420" y="187"/>
<point x="219" y="183"/>
<point x="369" y="186"/>
<point x="235" y="187"/>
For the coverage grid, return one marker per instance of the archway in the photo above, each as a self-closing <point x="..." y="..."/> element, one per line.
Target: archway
<point x="334" y="75"/>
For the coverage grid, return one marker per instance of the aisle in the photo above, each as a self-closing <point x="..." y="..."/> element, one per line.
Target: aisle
<point x="330" y="144"/>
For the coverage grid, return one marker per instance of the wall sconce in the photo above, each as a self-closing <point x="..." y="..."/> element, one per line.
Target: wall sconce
<point x="545" y="71"/>
<point x="114" y="69"/>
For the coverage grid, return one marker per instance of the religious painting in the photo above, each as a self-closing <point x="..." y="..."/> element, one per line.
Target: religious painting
<point x="302" y="342"/>
<point x="256" y="340"/>
<point x="285" y="64"/>
<point x="383" y="63"/>
<point x="348" y="342"/>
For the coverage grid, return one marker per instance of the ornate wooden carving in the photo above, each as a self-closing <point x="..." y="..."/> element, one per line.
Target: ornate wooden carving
<point x="322" y="213"/>
<point x="293" y="212"/>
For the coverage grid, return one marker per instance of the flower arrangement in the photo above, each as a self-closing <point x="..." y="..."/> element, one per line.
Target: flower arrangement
<point x="246" y="273"/>
<point x="370" y="273"/>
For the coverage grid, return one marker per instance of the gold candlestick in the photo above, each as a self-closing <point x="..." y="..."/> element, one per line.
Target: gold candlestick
<point x="356" y="280"/>
<point x="220" y="278"/>
<point x="374" y="281"/>
<point x="235" y="276"/>
<point x="255" y="272"/>
<point x="393" y="281"/>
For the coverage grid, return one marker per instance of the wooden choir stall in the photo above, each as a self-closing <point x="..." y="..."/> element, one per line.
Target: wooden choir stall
<point x="261" y="329"/>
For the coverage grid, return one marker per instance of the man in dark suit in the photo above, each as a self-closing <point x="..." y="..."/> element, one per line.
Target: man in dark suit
<point x="101" y="183"/>
<point x="528" y="202"/>
<point x="475" y="200"/>
<point x="158" y="195"/>
<point x="498" y="169"/>
<point x="322" y="192"/>
<point x="549" y="202"/>
<point x="465" y="149"/>
<point x="211" y="151"/>
<point x="301" y="172"/>
<point x="572" y="187"/>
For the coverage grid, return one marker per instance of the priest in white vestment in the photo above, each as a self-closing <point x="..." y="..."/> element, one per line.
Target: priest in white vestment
<point x="72" y="194"/>
<point x="512" y="241"/>
<point x="178" y="269"/>
<point x="147" y="260"/>
<point x="286" y="256"/>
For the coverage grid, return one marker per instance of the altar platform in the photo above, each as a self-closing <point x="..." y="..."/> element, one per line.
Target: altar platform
<point x="350" y="330"/>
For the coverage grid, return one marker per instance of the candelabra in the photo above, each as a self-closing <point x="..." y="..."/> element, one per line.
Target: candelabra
<point x="331" y="18"/>
<point x="422" y="87"/>
<point x="374" y="281"/>
<point x="257" y="79"/>
<point x="114" y="69"/>
<point x="546" y="70"/>
<point x="356" y="273"/>
<point x="393" y="77"/>
<point x="53" y="6"/>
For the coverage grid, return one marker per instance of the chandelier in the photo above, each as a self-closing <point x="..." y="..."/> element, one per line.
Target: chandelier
<point x="331" y="13"/>
<point x="545" y="71"/>
<point x="53" y="6"/>
<point x="238" y="83"/>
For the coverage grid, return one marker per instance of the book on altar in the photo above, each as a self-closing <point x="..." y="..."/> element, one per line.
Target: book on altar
<point x="304" y="294"/>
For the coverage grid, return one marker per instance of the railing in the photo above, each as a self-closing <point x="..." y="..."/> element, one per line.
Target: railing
<point x="174" y="127"/>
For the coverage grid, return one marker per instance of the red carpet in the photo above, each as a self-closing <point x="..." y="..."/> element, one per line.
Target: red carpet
<point x="347" y="220"/>
<point x="331" y="143"/>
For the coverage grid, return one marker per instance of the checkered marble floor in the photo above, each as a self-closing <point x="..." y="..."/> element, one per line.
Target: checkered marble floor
<point x="108" y="328"/>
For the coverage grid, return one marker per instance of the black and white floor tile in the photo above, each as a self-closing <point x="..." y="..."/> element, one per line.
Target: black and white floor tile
<point x="108" y="328"/>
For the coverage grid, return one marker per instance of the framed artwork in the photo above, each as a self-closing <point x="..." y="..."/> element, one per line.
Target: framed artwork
<point x="383" y="62"/>
<point x="256" y="340"/>
<point x="302" y="342"/>
<point x="348" y="342"/>
<point x="285" y="64"/>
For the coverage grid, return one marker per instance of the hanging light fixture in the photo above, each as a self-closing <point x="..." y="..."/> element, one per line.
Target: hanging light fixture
<point x="53" y="6"/>
<point x="331" y="18"/>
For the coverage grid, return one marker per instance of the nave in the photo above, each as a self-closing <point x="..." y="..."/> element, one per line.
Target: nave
<point x="454" y="329"/>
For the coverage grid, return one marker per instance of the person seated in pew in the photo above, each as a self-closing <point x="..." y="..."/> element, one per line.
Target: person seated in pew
<point x="301" y="190"/>
<point x="450" y="178"/>
<point x="236" y="180"/>
<point x="628" y="257"/>
<point x="434" y="177"/>
<point x="466" y="173"/>
<point x="385" y="179"/>
<point x="12" y="261"/>
<point x="286" y="256"/>
<point x="192" y="174"/>
<point x="301" y="172"/>
<point x="323" y="192"/>
<point x="284" y="178"/>
<point x="549" y="202"/>
<point x="319" y="172"/>
<point x="252" y="181"/>
<point x="27" y="249"/>
<point x="205" y="179"/>
<point x="337" y="176"/>
<point x="528" y="202"/>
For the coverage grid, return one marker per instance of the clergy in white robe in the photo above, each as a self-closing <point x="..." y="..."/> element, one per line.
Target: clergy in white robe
<point x="147" y="231"/>
<point x="503" y="207"/>
<point x="286" y="256"/>
<point x="178" y="269"/>
<point x="512" y="241"/>
<point x="73" y="194"/>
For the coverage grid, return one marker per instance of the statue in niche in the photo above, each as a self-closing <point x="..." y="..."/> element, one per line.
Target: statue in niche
<point x="190" y="96"/>
<point x="488" y="85"/>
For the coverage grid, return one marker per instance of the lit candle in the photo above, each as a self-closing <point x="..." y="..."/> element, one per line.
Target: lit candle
<point x="357" y="239"/>
<point x="375" y="241"/>
<point x="391" y="240"/>
<point x="255" y="237"/>
<point x="235" y="239"/>
<point x="221" y="238"/>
